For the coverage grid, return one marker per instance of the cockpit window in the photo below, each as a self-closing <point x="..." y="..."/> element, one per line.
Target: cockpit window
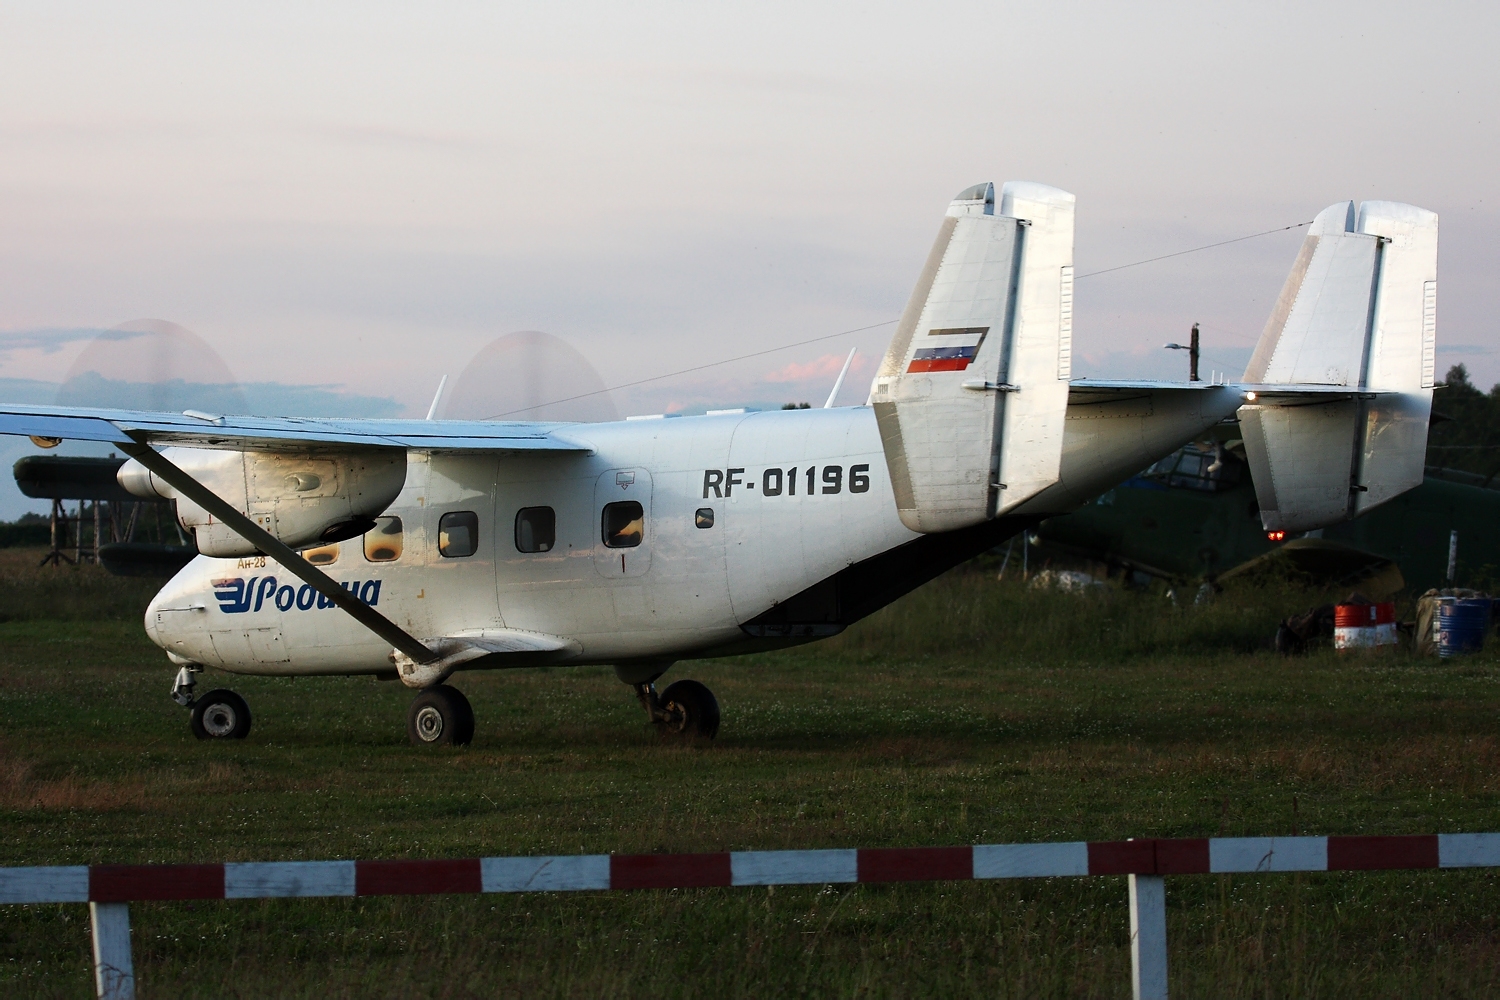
<point x="624" y="523"/>
<point x="383" y="542"/>
<point x="1204" y="465"/>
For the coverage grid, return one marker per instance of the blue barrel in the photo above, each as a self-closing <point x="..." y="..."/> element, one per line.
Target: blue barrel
<point x="1461" y="626"/>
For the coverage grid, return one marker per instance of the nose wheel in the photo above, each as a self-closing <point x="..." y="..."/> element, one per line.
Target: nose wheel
<point x="221" y="715"/>
<point x="686" y="709"/>
<point x="440" y="716"/>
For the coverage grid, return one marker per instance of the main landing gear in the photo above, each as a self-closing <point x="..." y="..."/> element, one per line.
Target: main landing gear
<point x="219" y="715"/>
<point x="440" y="716"/>
<point x="686" y="709"/>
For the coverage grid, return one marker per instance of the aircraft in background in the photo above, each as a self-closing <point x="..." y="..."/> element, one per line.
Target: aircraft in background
<point x="60" y="478"/>
<point x="415" y="549"/>
<point x="1193" y="516"/>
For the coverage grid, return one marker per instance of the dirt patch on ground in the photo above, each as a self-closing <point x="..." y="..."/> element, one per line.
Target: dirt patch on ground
<point x="20" y="789"/>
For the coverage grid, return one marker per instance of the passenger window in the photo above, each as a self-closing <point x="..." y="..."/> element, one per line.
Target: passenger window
<point x="383" y="542"/>
<point x="704" y="518"/>
<point x="323" y="555"/>
<point x="623" y="523"/>
<point x="458" y="534"/>
<point x="536" y="529"/>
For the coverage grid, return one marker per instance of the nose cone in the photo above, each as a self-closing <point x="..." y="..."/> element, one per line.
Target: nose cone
<point x="177" y="617"/>
<point x="154" y="614"/>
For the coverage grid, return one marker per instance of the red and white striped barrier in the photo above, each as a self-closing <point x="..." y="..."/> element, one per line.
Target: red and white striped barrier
<point x="597" y="872"/>
<point x="110" y="888"/>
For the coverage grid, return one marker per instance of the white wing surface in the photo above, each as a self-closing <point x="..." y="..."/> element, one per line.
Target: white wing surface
<point x="206" y="430"/>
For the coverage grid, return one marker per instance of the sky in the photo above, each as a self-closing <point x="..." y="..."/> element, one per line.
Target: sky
<point x="347" y="202"/>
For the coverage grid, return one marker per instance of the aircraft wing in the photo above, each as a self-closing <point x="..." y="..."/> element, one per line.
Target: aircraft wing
<point x="137" y="431"/>
<point x="207" y="430"/>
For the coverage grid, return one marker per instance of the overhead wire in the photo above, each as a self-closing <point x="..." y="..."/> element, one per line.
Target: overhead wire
<point x="1209" y="246"/>
<point x="872" y="326"/>
<point x="699" y="368"/>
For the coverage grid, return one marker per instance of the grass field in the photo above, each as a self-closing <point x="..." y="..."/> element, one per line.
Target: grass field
<point x="973" y="711"/>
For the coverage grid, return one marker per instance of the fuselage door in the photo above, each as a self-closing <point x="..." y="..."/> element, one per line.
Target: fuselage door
<point x="622" y="523"/>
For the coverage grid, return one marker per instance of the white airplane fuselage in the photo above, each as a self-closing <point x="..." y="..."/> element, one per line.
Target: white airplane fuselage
<point x="794" y="498"/>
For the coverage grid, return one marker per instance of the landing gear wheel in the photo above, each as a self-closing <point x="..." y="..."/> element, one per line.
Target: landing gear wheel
<point x="440" y="716"/>
<point x="690" y="709"/>
<point x="221" y="715"/>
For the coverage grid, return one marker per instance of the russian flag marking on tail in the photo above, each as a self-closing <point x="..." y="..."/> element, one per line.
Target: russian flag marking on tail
<point x="952" y="353"/>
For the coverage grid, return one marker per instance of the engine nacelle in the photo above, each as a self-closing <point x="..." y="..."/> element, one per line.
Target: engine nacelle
<point x="300" y="499"/>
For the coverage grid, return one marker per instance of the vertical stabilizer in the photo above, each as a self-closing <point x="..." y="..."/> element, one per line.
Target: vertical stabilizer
<point x="973" y="391"/>
<point x="1358" y="312"/>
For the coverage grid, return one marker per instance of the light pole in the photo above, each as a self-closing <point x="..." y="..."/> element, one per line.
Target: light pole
<point x="1192" y="348"/>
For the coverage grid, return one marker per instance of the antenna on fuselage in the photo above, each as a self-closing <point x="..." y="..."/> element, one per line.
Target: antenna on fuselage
<point x="437" y="398"/>
<point x="839" y="384"/>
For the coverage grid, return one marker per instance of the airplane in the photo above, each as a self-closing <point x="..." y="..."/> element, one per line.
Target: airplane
<point x="1193" y="517"/>
<point x="418" y="548"/>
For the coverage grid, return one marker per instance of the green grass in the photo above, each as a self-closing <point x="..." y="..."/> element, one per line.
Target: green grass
<point x="971" y="712"/>
<point x="30" y="591"/>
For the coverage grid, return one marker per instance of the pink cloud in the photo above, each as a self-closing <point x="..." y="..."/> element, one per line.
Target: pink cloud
<point x="826" y="367"/>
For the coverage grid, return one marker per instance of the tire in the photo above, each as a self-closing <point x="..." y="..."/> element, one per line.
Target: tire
<point x="698" y="707"/>
<point x="221" y="715"/>
<point x="440" y="716"/>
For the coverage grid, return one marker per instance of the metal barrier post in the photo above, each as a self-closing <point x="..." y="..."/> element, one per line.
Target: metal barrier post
<point x="1148" y="937"/>
<point x="114" y="975"/>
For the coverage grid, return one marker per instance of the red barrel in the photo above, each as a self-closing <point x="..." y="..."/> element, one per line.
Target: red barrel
<point x="1358" y="626"/>
<point x="1352" y="615"/>
<point x="1356" y="615"/>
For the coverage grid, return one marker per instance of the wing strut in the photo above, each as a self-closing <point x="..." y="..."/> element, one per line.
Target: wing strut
<point x="276" y="549"/>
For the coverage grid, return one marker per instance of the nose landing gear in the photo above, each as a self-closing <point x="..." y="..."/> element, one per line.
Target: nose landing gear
<point x="219" y="715"/>
<point x="686" y="709"/>
<point x="440" y="716"/>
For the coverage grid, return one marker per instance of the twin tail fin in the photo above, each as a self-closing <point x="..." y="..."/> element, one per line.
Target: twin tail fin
<point x="1356" y="318"/>
<point x="973" y="392"/>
